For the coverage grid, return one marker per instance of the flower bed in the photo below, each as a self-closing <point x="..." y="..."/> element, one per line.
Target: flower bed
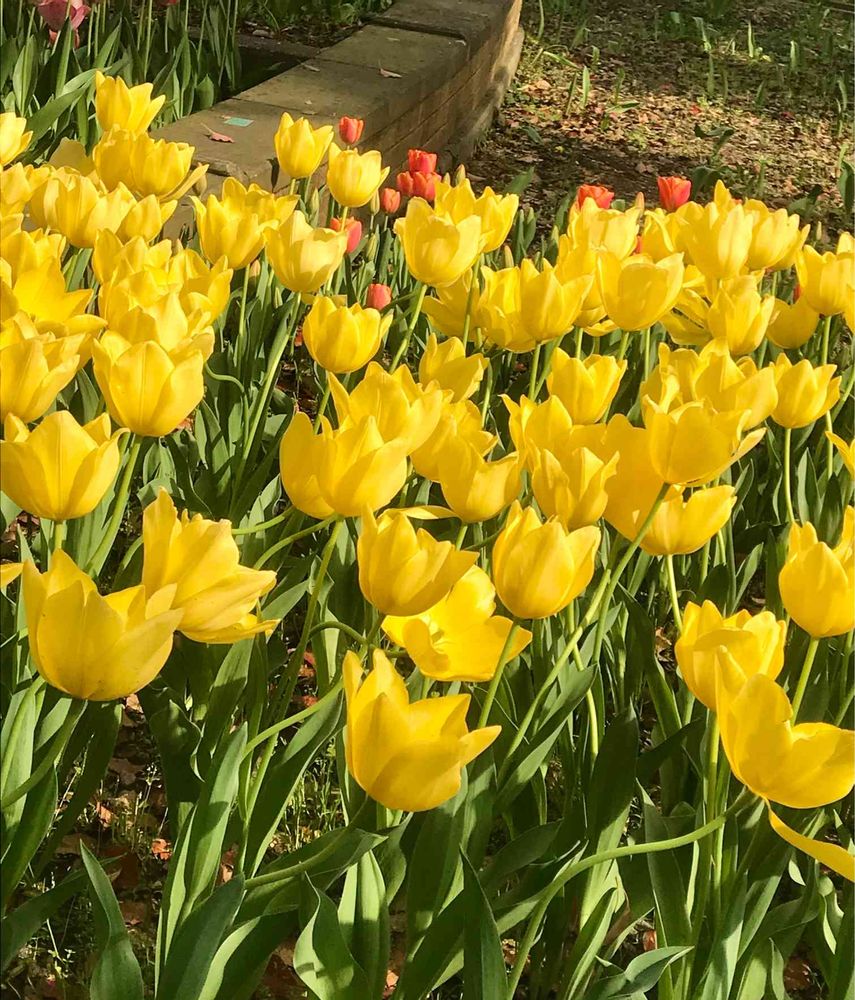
<point x="536" y="555"/>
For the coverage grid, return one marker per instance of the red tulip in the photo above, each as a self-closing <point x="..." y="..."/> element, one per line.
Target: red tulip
<point x="404" y="183"/>
<point x="424" y="185"/>
<point x="421" y="162"/>
<point x="55" y="12"/>
<point x="603" y="196"/>
<point x="353" y="228"/>
<point x="378" y="296"/>
<point x="390" y="201"/>
<point x="673" y="192"/>
<point x="350" y="129"/>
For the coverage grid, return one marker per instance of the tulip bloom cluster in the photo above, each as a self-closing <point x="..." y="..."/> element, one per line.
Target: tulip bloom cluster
<point x="467" y="482"/>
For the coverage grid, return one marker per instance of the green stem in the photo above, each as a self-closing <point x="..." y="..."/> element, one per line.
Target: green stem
<point x="788" y="486"/>
<point x="285" y="542"/>
<point x="497" y="676"/>
<point x="826" y="338"/>
<point x="414" y="318"/>
<point x="58" y="535"/>
<point x="672" y="590"/>
<point x="292" y="720"/>
<point x="120" y="505"/>
<point x="470" y="298"/>
<point x="251" y="529"/>
<point x="532" y="375"/>
<point x="461" y="536"/>
<point x="351" y="633"/>
<point x="51" y="754"/>
<point x="322" y="405"/>
<point x="804" y="677"/>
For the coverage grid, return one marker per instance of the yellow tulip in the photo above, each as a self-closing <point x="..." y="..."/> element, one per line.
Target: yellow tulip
<point x="354" y="177"/>
<point x="300" y="452"/>
<point x="495" y="211"/>
<point x="792" y="326"/>
<point x="34" y="367"/>
<point x="817" y="582"/>
<point x="735" y="385"/>
<point x="234" y="226"/>
<point x="738" y="315"/>
<point x="535" y="426"/>
<point x="775" y="238"/>
<point x="200" y="562"/>
<point x="448" y="365"/>
<point x="637" y="291"/>
<point x="575" y="262"/>
<point x="660" y="236"/>
<point x="403" y="571"/>
<point x="359" y="469"/>
<point x="675" y="436"/>
<point x="200" y="287"/>
<point x="76" y="207"/>
<point x="300" y="148"/>
<point x="683" y="525"/>
<point x="569" y="483"/>
<point x="474" y="488"/>
<point x="539" y="568"/>
<point x="61" y="469"/>
<point x="805" y="393"/>
<point x="687" y="322"/>
<point x="40" y="292"/>
<point x="26" y="251"/>
<point x="304" y="258"/>
<point x="755" y="644"/>
<point x="718" y="240"/>
<point x="144" y="218"/>
<point x="9" y="572"/>
<point x="145" y="165"/>
<point x="14" y="137"/>
<point x="437" y="250"/>
<point x="586" y="386"/>
<point x="93" y="647"/>
<point x="343" y="338"/>
<point x="17" y="184"/>
<point x="406" y="756"/>
<point x="606" y="229"/>
<point x="459" y="638"/>
<point x="447" y="312"/>
<point x="457" y="421"/>
<point x="131" y="108"/>
<point x="402" y="410"/>
<point x="827" y="281"/>
<point x="148" y="388"/>
<point x="846" y="450"/>
<point x="673" y="379"/>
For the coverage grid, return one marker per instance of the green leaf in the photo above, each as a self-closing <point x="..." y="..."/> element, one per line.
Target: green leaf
<point x="17" y="927"/>
<point x="364" y="918"/>
<point x="117" y="972"/>
<point x="35" y="822"/>
<point x="47" y="116"/>
<point x="484" y="972"/>
<point x="592" y="934"/>
<point x="242" y="958"/>
<point x="641" y="975"/>
<point x="322" y="959"/>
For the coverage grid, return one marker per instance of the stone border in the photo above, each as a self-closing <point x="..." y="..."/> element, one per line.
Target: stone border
<point x="425" y="73"/>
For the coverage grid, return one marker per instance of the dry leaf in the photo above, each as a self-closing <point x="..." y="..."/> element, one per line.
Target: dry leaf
<point x="161" y="849"/>
<point x="219" y="136"/>
<point x="134" y="913"/>
<point x="389" y="74"/>
<point x="126" y="771"/>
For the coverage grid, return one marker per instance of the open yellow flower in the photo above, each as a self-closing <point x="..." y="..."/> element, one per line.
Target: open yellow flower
<point x="734" y="385"/>
<point x="93" y="647"/>
<point x="791" y="326"/>
<point x="817" y="582"/>
<point x="17" y="184"/>
<point x="586" y="386"/>
<point x="685" y="523"/>
<point x="538" y="568"/>
<point x="146" y="166"/>
<point x="200" y="563"/>
<point x="300" y="148"/>
<point x="755" y="644"/>
<point x="406" y="756"/>
<point x="404" y="571"/>
<point x="456" y="421"/>
<point x="638" y="291"/>
<point x="61" y="469"/>
<point x="496" y="212"/>
<point x="592" y="228"/>
<point x="459" y="638"/>
<point x="304" y="258"/>
<point x="34" y="367"/>
<point x="569" y="482"/>
<point x="473" y="487"/>
<point x="14" y="137"/>
<point x="300" y="452"/>
<point x="438" y="251"/>
<point x="343" y="338"/>
<point x="131" y="108"/>
<point x="354" y="177"/>
<point x="535" y="426"/>
<point x="738" y="316"/>
<point x="451" y="368"/>
<point x="717" y="238"/>
<point x="826" y="280"/>
<point x="845" y="449"/>
<point x="775" y="238"/>
<point x="805" y="393"/>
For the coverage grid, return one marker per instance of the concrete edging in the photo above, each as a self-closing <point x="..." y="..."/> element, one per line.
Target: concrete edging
<point x="425" y="73"/>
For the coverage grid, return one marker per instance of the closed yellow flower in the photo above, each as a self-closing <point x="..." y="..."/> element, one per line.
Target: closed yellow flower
<point x="304" y="258"/>
<point x="406" y="756"/>
<point x="755" y="644"/>
<point x="447" y="312"/>
<point x="74" y="206"/>
<point x="734" y="385"/>
<point x="402" y="410"/>
<point x="792" y="326"/>
<point x="846" y="450"/>
<point x="496" y="212"/>
<point x="569" y="483"/>
<point x="805" y="393"/>
<point x="14" y="137"/>
<point x="34" y="367"/>
<point x="459" y="638"/>
<point x="437" y="250"/>
<point x="343" y="338"/>
<point x="775" y="238"/>
<point x="300" y="452"/>
<point x="200" y="562"/>
<point x="586" y="386"/>
<point x="359" y="469"/>
<point x="693" y="443"/>
<point x="148" y="388"/>
<point x="456" y="421"/>
<point x="827" y="280"/>
<point x="144" y="218"/>
<point x="718" y="240"/>
<point x="683" y="524"/>
<point x="576" y="262"/>
<point x="475" y="488"/>
<point x="660" y="236"/>
<point x="30" y="250"/>
<point x="300" y="148"/>
<point x="17" y="184"/>
<point x="131" y="108"/>
<point x="738" y="315"/>
<point x="354" y="177"/>
<point x="633" y="489"/>
<point x="539" y="568"/>
<point x="606" y="229"/>
<point x="534" y="426"/>
<point x="638" y="291"/>
<point x="61" y="469"/>
<point x="817" y="582"/>
<point x="403" y="571"/>
<point x="449" y="366"/>
<point x="93" y="647"/>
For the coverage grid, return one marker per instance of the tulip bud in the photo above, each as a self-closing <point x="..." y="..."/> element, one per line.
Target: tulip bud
<point x="438" y="251"/>
<point x="404" y="183"/>
<point x="805" y="393"/>
<point x="350" y="129"/>
<point x="353" y="177"/>
<point x="378" y="296"/>
<point x="343" y="338"/>
<point x="353" y="229"/>
<point x="673" y="192"/>
<point x="460" y="174"/>
<point x="601" y="196"/>
<point x="390" y="199"/>
<point x="424" y="185"/>
<point x="420" y="162"/>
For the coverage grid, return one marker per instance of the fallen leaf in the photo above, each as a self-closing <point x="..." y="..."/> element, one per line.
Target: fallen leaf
<point x="104" y="814"/>
<point x="133" y="912"/>
<point x="127" y="874"/>
<point x="219" y="136"/>
<point x="126" y="771"/>
<point x="161" y="849"/>
<point x="389" y="74"/>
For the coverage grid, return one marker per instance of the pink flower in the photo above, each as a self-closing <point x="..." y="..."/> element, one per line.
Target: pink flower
<point x="55" y="13"/>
